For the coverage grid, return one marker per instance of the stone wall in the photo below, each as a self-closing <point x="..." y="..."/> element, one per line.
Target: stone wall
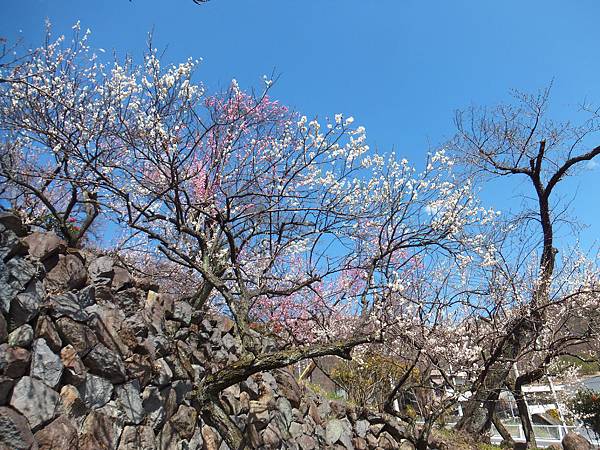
<point x="91" y="358"/>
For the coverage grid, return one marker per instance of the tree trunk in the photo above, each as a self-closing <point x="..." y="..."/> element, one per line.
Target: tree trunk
<point x="524" y="416"/>
<point x="215" y="416"/>
<point x="506" y="436"/>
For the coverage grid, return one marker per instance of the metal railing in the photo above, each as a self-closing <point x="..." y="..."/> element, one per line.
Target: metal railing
<point x="545" y="434"/>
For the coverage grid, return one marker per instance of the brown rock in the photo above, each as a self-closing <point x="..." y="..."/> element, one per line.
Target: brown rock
<point x="244" y="402"/>
<point x="71" y="403"/>
<point x="14" y="431"/>
<point x="168" y="438"/>
<point x="259" y="413"/>
<point x="77" y="334"/>
<point x="574" y="441"/>
<point x="184" y="421"/>
<point x="139" y="367"/>
<point x="313" y="412"/>
<point x="75" y="370"/>
<point x="17" y="361"/>
<point x="59" y="435"/>
<point x="45" y="329"/>
<point x="68" y="274"/>
<point x="289" y="387"/>
<point x="372" y="441"/>
<point x="99" y="431"/>
<point x="211" y="441"/>
<point x="387" y="442"/>
<point x="307" y="443"/>
<point x="359" y="443"/>
<point x="107" y="324"/>
<point x="271" y="437"/>
<point x="45" y="245"/>
<point x="338" y="409"/>
<point x="154" y="312"/>
<point x="137" y="438"/>
<point x="13" y="223"/>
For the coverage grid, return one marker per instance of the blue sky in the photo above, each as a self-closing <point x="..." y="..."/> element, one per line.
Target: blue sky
<point x="400" y="67"/>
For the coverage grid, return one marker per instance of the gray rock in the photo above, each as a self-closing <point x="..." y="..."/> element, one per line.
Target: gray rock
<point x="251" y="387"/>
<point x="376" y="428"/>
<point x="346" y="437"/>
<point x="153" y="404"/>
<point x="81" y="337"/>
<point x="137" y="438"/>
<point x="161" y="345"/>
<point x="361" y="427"/>
<point x="114" y="410"/>
<point x="14" y="277"/>
<point x="21" y="270"/>
<point x="159" y="405"/>
<point x="11" y="245"/>
<point x="182" y="312"/>
<point x="182" y="388"/>
<point x="163" y="372"/>
<point x="45" y="364"/>
<point x="130" y="401"/>
<point x="60" y="434"/>
<point x="86" y="297"/>
<point x="284" y="405"/>
<point x="228" y="342"/>
<point x="3" y="329"/>
<point x="196" y="442"/>
<point x="95" y="391"/>
<point x="35" y="400"/>
<point x="67" y="305"/>
<point x="6" y="385"/>
<point x="295" y="430"/>
<point x="101" y="270"/>
<point x="14" y="431"/>
<point x="26" y="305"/>
<point x="21" y="336"/>
<point x="45" y="245"/>
<point x="103" y="362"/>
<point x="333" y="431"/>
<point x="121" y="279"/>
